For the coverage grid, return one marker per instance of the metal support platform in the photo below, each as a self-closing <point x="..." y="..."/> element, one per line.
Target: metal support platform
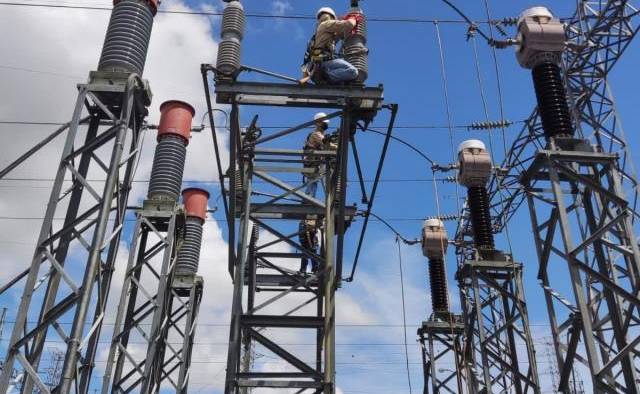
<point x="498" y="346"/>
<point x="279" y="298"/>
<point x="442" y="355"/>
<point x="146" y="310"/>
<point x="70" y="274"/>
<point x="589" y="264"/>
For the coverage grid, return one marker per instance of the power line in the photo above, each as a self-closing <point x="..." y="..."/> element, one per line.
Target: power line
<point x="248" y="15"/>
<point x="402" y="127"/>
<point x="209" y="182"/>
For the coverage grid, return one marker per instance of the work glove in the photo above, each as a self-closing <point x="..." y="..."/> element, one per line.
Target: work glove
<point x="358" y="17"/>
<point x="354" y="15"/>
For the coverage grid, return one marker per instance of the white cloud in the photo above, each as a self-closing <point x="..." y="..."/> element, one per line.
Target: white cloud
<point x="280" y="7"/>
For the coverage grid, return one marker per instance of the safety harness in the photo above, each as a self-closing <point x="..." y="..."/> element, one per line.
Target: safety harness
<point x="316" y="55"/>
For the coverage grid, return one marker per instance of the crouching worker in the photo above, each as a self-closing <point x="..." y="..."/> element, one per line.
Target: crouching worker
<point x="321" y="62"/>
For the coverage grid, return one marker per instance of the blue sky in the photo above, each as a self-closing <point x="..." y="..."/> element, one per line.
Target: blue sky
<point x="405" y="58"/>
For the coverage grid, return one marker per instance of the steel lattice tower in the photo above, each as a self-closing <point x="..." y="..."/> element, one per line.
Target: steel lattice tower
<point x="161" y="294"/>
<point x="499" y="354"/>
<point x="270" y="277"/>
<point x="441" y="336"/>
<point x="76" y="259"/>
<point x="271" y="296"/>
<point x="572" y="165"/>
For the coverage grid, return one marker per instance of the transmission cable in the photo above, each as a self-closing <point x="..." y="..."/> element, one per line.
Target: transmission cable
<point x="249" y="15"/>
<point x="396" y="232"/>
<point x="405" y="143"/>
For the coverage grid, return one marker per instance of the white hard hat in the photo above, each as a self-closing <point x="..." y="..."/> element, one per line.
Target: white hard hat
<point x="326" y="10"/>
<point x="321" y="115"/>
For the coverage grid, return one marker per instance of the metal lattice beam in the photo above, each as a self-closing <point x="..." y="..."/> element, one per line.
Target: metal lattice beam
<point x="583" y="229"/>
<point x="442" y="356"/>
<point x="270" y="295"/>
<point x="498" y="344"/>
<point x="74" y="262"/>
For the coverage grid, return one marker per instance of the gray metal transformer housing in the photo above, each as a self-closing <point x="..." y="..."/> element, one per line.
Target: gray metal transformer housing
<point x="355" y="48"/>
<point x="168" y="168"/>
<point x="189" y="252"/>
<point x="229" y="50"/>
<point x="127" y="39"/>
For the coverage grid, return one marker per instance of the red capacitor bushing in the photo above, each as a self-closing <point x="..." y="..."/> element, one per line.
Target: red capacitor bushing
<point x="195" y="202"/>
<point x="175" y="118"/>
<point x="152" y="3"/>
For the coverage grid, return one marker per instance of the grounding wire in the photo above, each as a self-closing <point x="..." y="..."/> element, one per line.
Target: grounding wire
<point x="404" y="315"/>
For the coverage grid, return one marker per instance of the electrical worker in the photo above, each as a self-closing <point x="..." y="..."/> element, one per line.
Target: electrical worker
<point x="308" y="234"/>
<point x="321" y="62"/>
<point x="315" y="141"/>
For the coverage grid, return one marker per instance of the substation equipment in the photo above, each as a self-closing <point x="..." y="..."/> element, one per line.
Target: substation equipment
<point x="71" y="271"/>
<point x="270" y="295"/>
<point x="583" y="225"/>
<point x="570" y="163"/>
<point x="161" y="292"/>
<point x="441" y="336"/>
<point x="499" y="354"/>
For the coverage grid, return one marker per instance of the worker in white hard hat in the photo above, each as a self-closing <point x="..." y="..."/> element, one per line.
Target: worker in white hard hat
<point x="321" y="62"/>
<point x="315" y="141"/>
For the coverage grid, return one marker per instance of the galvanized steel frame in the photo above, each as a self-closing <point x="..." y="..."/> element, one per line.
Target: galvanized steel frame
<point x="120" y="107"/>
<point x="583" y="227"/>
<point x="263" y="272"/>
<point x="496" y="328"/>
<point x="441" y="345"/>
<point x="144" y="304"/>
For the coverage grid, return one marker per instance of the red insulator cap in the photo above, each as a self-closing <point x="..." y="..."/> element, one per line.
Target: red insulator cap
<point x="175" y="118"/>
<point x="152" y="3"/>
<point x="195" y="202"/>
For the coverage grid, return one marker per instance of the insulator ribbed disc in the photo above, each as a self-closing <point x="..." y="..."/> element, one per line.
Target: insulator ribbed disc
<point x="127" y="39"/>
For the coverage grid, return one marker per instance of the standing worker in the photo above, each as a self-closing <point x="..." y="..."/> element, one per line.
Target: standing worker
<point x="308" y="233"/>
<point x="321" y="62"/>
<point x="315" y="141"/>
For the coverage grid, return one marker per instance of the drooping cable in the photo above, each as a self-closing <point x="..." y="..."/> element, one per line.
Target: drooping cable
<point x="407" y="144"/>
<point x="398" y="235"/>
